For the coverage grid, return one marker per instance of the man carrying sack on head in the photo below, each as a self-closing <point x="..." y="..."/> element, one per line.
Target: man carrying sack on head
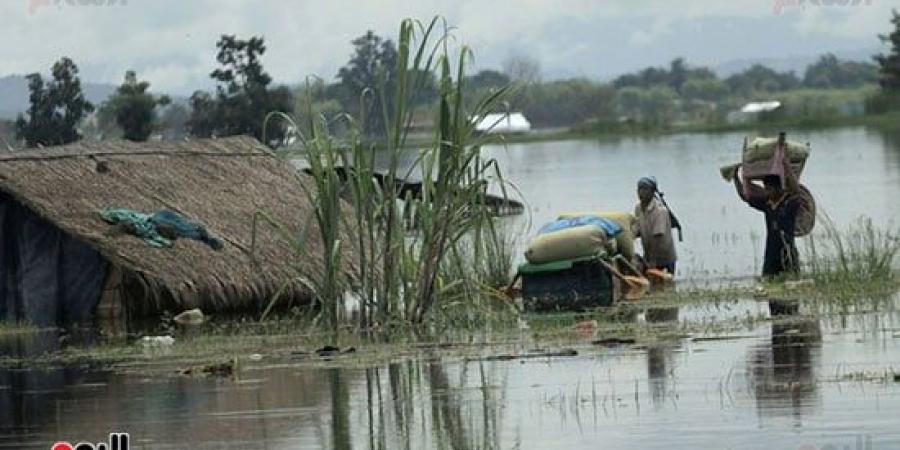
<point x="780" y="202"/>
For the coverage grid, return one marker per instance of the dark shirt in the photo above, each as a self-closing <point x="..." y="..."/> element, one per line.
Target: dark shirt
<point x="781" y="218"/>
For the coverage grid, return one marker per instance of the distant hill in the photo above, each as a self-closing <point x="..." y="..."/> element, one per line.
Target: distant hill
<point x="14" y="94"/>
<point x="794" y="63"/>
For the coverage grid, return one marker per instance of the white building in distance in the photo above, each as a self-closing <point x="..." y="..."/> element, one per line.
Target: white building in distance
<point x="503" y="123"/>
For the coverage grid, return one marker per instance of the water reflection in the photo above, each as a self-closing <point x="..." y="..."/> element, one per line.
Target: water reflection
<point x="719" y="231"/>
<point x="783" y="372"/>
<point x="661" y="374"/>
<point x="670" y="394"/>
<point x="421" y="406"/>
<point x="340" y="410"/>
<point x="25" y="392"/>
<point x="891" y="139"/>
<point x="661" y="314"/>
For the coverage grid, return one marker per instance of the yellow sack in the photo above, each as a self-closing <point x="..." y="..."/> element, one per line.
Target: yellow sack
<point x="571" y="243"/>
<point x="624" y="240"/>
<point x="762" y="149"/>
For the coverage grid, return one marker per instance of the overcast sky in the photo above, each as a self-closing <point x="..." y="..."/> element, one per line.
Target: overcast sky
<point x="172" y="43"/>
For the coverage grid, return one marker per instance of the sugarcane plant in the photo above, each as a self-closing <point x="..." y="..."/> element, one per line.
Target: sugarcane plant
<point x="413" y="251"/>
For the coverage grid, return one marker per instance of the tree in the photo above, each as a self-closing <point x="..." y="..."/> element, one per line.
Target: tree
<point x="243" y="98"/>
<point x="705" y="89"/>
<point x="8" y="139"/>
<point x="890" y="62"/>
<point x="425" y="86"/>
<point x="373" y="66"/>
<point x="567" y="102"/>
<point x="675" y="77"/>
<point x="482" y="84"/>
<point x="101" y="125"/>
<point x="759" y="78"/>
<point x="205" y="115"/>
<point x="659" y="105"/>
<point x="173" y="120"/>
<point x="522" y="68"/>
<point x="655" y="106"/>
<point x="312" y="103"/>
<point x="629" y="100"/>
<point x="651" y="76"/>
<point x="133" y="108"/>
<point x="56" y="107"/>
<point x="487" y="79"/>
<point x="830" y="72"/>
<point x="677" y="74"/>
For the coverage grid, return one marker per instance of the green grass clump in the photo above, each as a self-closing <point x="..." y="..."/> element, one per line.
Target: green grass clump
<point x="12" y="327"/>
<point x="861" y="255"/>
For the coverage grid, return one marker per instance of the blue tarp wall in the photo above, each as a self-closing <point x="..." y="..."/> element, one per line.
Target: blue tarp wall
<point x="47" y="277"/>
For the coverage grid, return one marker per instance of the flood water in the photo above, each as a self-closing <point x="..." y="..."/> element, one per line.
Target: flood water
<point x="852" y="172"/>
<point x="814" y="381"/>
<point x="795" y="383"/>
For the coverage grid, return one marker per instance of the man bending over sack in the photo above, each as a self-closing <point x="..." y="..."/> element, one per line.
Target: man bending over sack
<point x="654" y="227"/>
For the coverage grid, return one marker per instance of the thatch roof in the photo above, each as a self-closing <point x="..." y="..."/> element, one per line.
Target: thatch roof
<point x="222" y="183"/>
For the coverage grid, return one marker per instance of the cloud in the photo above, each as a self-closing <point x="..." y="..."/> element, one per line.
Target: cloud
<point x="172" y="43"/>
<point x="855" y="19"/>
<point x="659" y="28"/>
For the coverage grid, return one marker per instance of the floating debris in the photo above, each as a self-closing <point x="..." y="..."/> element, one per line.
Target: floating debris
<point x="223" y="369"/>
<point x="330" y="350"/>
<point x="719" y="338"/>
<point x="587" y="328"/>
<point x="793" y="285"/>
<point x="190" y="317"/>
<point x="157" y="341"/>
<point x="614" y="341"/>
<point x="534" y="354"/>
<point x="657" y="315"/>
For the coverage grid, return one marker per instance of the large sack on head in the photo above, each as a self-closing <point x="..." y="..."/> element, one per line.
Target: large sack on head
<point x="763" y="148"/>
<point x="624" y="240"/>
<point x="569" y="243"/>
<point x="758" y="158"/>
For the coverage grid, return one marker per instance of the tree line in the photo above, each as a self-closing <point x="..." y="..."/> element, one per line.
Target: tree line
<point x="362" y="91"/>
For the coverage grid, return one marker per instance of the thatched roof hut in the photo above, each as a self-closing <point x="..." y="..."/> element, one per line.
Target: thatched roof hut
<point x="51" y="228"/>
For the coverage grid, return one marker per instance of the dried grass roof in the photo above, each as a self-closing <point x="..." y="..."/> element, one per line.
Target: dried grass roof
<point x="221" y="183"/>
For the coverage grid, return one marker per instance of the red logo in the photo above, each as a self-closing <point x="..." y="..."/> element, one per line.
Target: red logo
<point x="117" y="441"/>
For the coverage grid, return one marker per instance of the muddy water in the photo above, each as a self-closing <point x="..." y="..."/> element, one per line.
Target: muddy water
<point x="809" y="382"/>
<point x="852" y="172"/>
<point x="799" y="382"/>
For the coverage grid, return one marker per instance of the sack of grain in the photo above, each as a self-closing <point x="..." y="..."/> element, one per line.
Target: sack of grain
<point x="624" y="240"/>
<point x="759" y="157"/>
<point x="569" y="243"/>
<point x="762" y="148"/>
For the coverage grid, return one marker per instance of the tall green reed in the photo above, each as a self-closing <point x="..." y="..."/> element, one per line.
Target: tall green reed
<point x="860" y="253"/>
<point x="397" y="277"/>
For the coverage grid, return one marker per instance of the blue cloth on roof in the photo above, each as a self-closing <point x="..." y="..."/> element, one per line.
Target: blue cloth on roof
<point x="160" y="228"/>
<point x="609" y="227"/>
<point x="175" y="224"/>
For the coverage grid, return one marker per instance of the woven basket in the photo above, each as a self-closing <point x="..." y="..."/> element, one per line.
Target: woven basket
<point x="806" y="214"/>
